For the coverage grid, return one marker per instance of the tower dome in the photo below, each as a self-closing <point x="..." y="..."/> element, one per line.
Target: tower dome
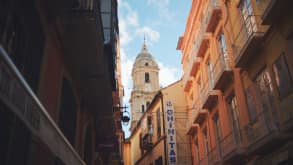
<point x="144" y="58"/>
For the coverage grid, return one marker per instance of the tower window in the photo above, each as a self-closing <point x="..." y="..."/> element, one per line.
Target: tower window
<point x="147" y="104"/>
<point x="147" y="77"/>
<point x="146" y="64"/>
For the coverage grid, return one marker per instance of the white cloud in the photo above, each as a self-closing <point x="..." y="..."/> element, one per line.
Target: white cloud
<point x="128" y="19"/>
<point x="127" y="64"/>
<point x="168" y="75"/>
<point x="150" y="34"/>
<point x="130" y="28"/>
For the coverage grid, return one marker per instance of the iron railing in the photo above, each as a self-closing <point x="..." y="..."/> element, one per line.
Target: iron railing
<point x="214" y="155"/>
<point x="205" y="92"/>
<point x="256" y="130"/>
<point x="213" y="5"/>
<point x="221" y="65"/>
<point x="147" y="143"/>
<point x="228" y="144"/>
<point x="194" y="110"/>
<point x="22" y="101"/>
<point x="249" y="28"/>
<point x="200" y="37"/>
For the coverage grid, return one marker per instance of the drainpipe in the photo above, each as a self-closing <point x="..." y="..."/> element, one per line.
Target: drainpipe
<point x="165" y="139"/>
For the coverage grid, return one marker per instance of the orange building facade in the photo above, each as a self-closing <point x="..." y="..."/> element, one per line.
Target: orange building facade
<point x="237" y="59"/>
<point x="60" y="83"/>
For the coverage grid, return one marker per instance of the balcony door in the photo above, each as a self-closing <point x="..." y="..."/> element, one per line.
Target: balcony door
<point x="249" y="21"/>
<point x="210" y="74"/>
<point x="223" y="49"/>
<point x="234" y="116"/>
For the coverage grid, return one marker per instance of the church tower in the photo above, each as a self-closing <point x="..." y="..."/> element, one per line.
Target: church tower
<point x="145" y="77"/>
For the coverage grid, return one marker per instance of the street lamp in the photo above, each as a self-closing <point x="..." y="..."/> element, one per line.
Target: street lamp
<point x="125" y="117"/>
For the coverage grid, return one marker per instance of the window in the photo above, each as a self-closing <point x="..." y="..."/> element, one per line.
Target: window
<point x="234" y="116"/>
<point x="146" y="64"/>
<point x="206" y="141"/>
<point x="217" y="127"/>
<point x="264" y="90"/>
<point x="147" y="104"/>
<point x="150" y="125"/>
<point x="247" y="16"/>
<point x="199" y="87"/>
<point x="142" y="108"/>
<point x="158" y="123"/>
<point x="159" y="161"/>
<point x="251" y="104"/>
<point x="222" y="44"/>
<point x="147" y="77"/>
<point x="210" y="73"/>
<point x="282" y="76"/>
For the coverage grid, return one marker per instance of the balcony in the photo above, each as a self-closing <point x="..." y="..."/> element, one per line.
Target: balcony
<point x="271" y="9"/>
<point x="147" y="143"/>
<point x="208" y="95"/>
<point x="222" y="72"/>
<point x="190" y="68"/>
<point x="215" y="156"/>
<point x="230" y="147"/>
<point x="201" y="116"/>
<point x="191" y="127"/>
<point x="213" y="15"/>
<point x="195" y="66"/>
<point x="248" y="39"/>
<point x="261" y="134"/>
<point x="20" y="99"/>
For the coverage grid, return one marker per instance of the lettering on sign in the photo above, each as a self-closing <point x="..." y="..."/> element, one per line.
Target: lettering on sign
<point x="171" y="133"/>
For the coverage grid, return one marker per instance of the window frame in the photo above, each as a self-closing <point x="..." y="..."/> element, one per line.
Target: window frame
<point x="283" y="62"/>
<point x="146" y="77"/>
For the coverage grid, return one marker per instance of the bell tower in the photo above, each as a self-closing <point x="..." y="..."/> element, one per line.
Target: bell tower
<point x="145" y="77"/>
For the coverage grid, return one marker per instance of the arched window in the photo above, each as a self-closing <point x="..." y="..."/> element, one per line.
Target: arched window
<point x="146" y="64"/>
<point x="147" y="77"/>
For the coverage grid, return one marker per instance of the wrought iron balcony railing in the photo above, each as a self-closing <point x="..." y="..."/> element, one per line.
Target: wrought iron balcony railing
<point x="21" y="100"/>
<point x="214" y="155"/>
<point x="259" y="131"/>
<point x="247" y="39"/>
<point x="221" y="67"/>
<point x="229" y="144"/>
<point x="147" y="143"/>
<point x="214" y="9"/>
<point x="194" y="110"/>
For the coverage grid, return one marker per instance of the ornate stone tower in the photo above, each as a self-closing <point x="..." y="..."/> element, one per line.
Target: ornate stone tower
<point x="145" y="77"/>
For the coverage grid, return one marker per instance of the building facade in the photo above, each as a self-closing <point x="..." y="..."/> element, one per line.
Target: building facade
<point x="145" y="76"/>
<point x="58" y="82"/>
<point x="237" y="63"/>
<point x="160" y="136"/>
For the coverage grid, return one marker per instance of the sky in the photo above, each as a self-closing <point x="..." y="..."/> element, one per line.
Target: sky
<point x="161" y="22"/>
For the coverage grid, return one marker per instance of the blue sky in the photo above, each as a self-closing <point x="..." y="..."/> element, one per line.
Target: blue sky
<point x="162" y="22"/>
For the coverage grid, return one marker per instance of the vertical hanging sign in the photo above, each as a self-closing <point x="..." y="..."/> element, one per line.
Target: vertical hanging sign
<point x="171" y="133"/>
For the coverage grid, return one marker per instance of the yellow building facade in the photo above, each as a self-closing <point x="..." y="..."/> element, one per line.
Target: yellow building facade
<point x="237" y="64"/>
<point x="160" y="135"/>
